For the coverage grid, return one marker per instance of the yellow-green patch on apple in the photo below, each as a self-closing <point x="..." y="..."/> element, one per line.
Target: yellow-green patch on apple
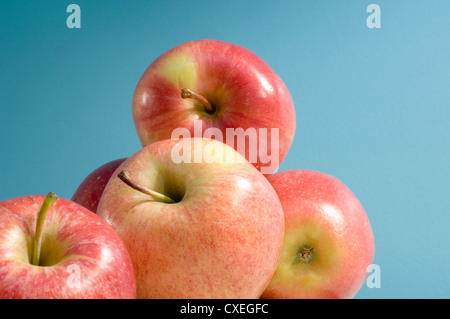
<point x="309" y="255"/>
<point x="179" y="69"/>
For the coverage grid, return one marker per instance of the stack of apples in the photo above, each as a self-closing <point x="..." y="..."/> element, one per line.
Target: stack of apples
<point x="198" y="214"/>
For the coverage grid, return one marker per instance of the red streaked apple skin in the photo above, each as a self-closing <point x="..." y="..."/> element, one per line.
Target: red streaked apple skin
<point x="87" y="248"/>
<point x="91" y="188"/>
<point x="222" y="240"/>
<point x="322" y="212"/>
<point x="246" y="92"/>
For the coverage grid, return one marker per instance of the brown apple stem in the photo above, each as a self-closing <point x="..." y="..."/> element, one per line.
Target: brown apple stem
<point x="40" y="221"/>
<point x="188" y="94"/>
<point x="125" y="177"/>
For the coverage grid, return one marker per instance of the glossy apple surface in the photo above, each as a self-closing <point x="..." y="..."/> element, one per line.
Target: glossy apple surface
<point x="220" y="239"/>
<point x="242" y="89"/>
<point x="81" y="255"/>
<point x="91" y="188"/>
<point x="328" y="241"/>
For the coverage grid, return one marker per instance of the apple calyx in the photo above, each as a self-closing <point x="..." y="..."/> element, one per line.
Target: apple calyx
<point x="125" y="177"/>
<point x="40" y="221"/>
<point x="188" y="94"/>
<point x="304" y="255"/>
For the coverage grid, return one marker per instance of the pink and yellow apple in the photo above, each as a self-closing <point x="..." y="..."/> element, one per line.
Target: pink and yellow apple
<point x="328" y="242"/>
<point x="53" y="248"/>
<point x="220" y="85"/>
<point x="195" y="229"/>
<point x="91" y="188"/>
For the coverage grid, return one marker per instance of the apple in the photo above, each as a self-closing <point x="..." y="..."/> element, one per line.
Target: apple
<point x="91" y="188"/>
<point x="195" y="229"/>
<point x="215" y="84"/>
<point x="328" y="241"/>
<point x="53" y="248"/>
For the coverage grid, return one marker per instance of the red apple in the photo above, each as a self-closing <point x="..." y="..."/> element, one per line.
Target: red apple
<point x="211" y="229"/>
<point x="218" y="85"/>
<point x="91" y="188"/>
<point x="328" y="242"/>
<point x="63" y="252"/>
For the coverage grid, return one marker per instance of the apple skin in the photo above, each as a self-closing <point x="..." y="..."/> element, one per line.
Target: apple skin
<point x="245" y="91"/>
<point x="91" y="188"/>
<point x="221" y="239"/>
<point x="320" y="212"/>
<point x="74" y="239"/>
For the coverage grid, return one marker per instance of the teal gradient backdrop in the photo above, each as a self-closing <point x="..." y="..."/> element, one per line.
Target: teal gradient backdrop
<point x="372" y="104"/>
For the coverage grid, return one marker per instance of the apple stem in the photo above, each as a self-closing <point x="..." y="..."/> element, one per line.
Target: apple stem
<point x="125" y="177"/>
<point x="40" y="221"/>
<point x="188" y="94"/>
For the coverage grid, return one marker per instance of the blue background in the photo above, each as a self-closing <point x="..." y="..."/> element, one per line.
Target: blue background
<point x="372" y="105"/>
